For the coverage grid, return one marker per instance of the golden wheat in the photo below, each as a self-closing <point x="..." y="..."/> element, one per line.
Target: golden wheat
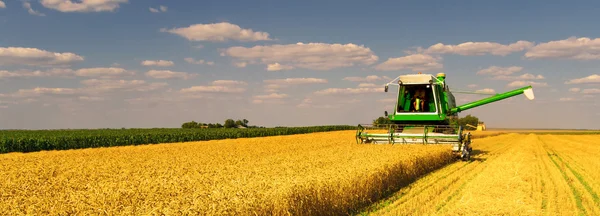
<point x="511" y="174"/>
<point x="320" y="173"/>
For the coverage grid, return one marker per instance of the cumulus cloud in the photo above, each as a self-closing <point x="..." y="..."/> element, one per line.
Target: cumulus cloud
<point x="241" y="64"/>
<point x="526" y="83"/>
<point x="218" y="86"/>
<point x="315" y="56"/>
<point x="111" y="72"/>
<point x="472" y="85"/>
<point x="198" y="62"/>
<point x="571" y="48"/>
<point x="295" y="81"/>
<point x="101" y="72"/>
<point x="477" y="48"/>
<point x="36" y="57"/>
<point x="278" y="67"/>
<point x="159" y="9"/>
<point x="589" y="79"/>
<point x="567" y="99"/>
<point x="57" y="72"/>
<point x="370" y="78"/>
<point x="415" y="62"/>
<point x="271" y="96"/>
<point x="68" y="6"/>
<point x="30" y="10"/>
<point x="95" y="86"/>
<point x="160" y="63"/>
<point x="218" y="32"/>
<point x="486" y="90"/>
<point x="498" y="71"/>
<point x="2" y="5"/>
<point x="591" y="91"/>
<point x="348" y="91"/>
<point x="526" y="76"/>
<point x="574" y="89"/>
<point x="367" y="85"/>
<point x="228" y="82"/>
<point x="212" y="89"/>
<point x="167" y="74"/>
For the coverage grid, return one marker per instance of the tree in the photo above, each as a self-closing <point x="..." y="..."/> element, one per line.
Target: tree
<point x="239" y="123"/>
<point x="229" y="123"/>
<point x="191" y="124"/>
<point x="469" y="119"/>
<point x="245" y="122"/>
<point x="381" y="120"/>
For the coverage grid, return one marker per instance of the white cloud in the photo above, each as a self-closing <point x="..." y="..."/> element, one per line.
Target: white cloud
<point x="212" y="89"/>
<point x="348" y="91"/>
<point x="167" y="74"/>
<point x="228" y="82"/>
<point x="591" y="91"/>
<point x="486" y="90"/>
<point x="2" y="5"/>
<point x="498" y="71"/>
<point x="315" y="56"/>
<point x="83" y="5"/>
<point x="192" y="61"/>
<point x="367" y="85"/>
<point x="567" y="99"/>
<point x="160" y="63"/>
<point x="526" y="83"/>
<point x="526" y="76"/>
<point x="111" y="72"/>
<point x="271" y="96"/>
<point x="30" y="10"/>
<point x="589" y="79"/>
<point x="278" y="67"/>
<point x="90" y="98"/>
<point x="477" y="48"/>
<point x="295" y="81"/>
<point x="415" y="62"/>
<point x="159" y="9"/>
<point x="570" y="48"/>
<point x="95" y="86"/>
<point x="574" y="89"/>
<point x="41" y="91"/>
<point x="218" y="32"/>
<point x="472" y="85"/>
<point x="241" y="64"/>
<point x="35" y="57"/>
<point x="370" y="78"/>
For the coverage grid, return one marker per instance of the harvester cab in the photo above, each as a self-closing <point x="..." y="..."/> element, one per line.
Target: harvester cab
<point x="423" y="111"/>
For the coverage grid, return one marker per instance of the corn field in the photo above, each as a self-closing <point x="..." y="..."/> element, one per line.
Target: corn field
<point x="38" y="140"/>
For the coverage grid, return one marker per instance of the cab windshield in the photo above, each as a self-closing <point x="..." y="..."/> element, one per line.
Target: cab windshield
<point x="416" y="98"/>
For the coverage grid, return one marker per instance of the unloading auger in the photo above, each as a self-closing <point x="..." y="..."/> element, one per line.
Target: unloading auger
<point x="422" y="114"/>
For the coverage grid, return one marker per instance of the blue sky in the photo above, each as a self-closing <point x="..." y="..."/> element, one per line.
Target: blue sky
<point x="74" y="64"/>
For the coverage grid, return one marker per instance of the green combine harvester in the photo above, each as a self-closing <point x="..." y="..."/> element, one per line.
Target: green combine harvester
<point x="422" y="114"/>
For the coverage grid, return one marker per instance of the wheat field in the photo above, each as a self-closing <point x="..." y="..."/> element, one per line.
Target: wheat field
<point x="512" y="174"/>
<point x="319" y="173"/>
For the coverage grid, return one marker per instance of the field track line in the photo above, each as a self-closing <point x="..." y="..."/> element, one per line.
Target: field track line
<point x="452" y="174"/>
<point x="493" y="154"/>
<point x="576" y="193"/>
<point x="577" y="175"/>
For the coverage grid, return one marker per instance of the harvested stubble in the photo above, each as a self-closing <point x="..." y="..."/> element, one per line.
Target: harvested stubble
<point x="321" y="173"/>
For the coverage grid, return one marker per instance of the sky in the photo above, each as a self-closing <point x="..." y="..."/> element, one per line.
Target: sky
<point x="146" y="64"/>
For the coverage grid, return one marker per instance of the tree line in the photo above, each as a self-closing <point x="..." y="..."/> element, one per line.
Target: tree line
<point x="229" y="123"/>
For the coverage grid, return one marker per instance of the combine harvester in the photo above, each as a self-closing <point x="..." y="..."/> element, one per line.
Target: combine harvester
<point x="423" y="110"/>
